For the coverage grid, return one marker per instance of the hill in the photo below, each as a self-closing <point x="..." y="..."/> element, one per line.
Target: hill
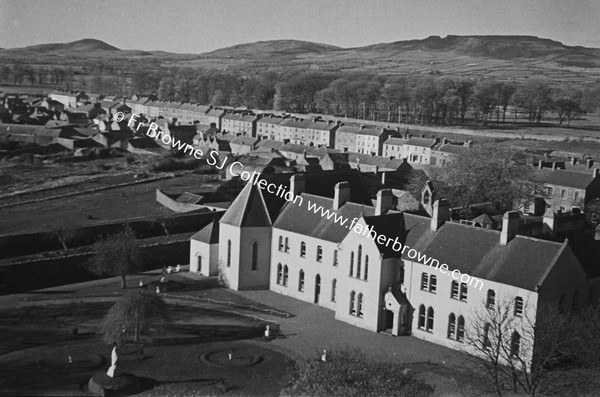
<point x="273" y="47"/>
<point x="75" y="46"/>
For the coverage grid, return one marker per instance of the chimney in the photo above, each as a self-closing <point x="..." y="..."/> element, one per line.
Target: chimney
<point x="383" y="178"/>
<point x="444" y="141"/>
<point x="398" y="130"/>
<point x="510" y="226"/>
<point x="297" y="184"/>
<point x="549" y="220"/>
<point x="384" y="202"/>
<point x="362" y="127"/>
<point x="540" y="164"/>
<point x="553" y="165"/>
<point x="589" y="163"/>
<point x="341" y="194"/>
<point x="595" y="172"/>
<point x="573" y="161"/>
<point x="407" y="135"/>
<point x="441" y="213"/>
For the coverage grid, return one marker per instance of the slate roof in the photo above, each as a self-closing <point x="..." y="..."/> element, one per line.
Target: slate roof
<point x="215" y="112"/>
<point x="296" y="217"/>
<point x="208" y="234"/>
<point x="574" y="179"/>
<point x="423" y="142"/>
<point x="244" y="140"/>
<point x="269" y="144"/>
<point x="249" y="118"/>
<point x="368" y="130"/>
<point x="395" y="141"/>
<point x="274" y="120"/>
<point x="524" y="262"/>
<point x="248" y="209"/>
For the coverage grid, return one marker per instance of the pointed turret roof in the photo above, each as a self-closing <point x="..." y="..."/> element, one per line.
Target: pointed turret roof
<point x="248" y="209"/>
<point x="208" y="234"/>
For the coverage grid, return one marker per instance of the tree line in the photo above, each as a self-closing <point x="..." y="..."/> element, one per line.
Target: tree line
<point x="417" y="99"/>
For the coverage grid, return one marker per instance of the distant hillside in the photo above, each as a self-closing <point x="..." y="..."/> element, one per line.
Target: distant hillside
<point x="75" y="46"/>
<point x="273" y="47"/>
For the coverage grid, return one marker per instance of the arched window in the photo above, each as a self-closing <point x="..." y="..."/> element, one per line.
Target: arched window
<point x="333" y="287"/>
<point x="254" y="255"/>
<point x="285" y="276"/>
<point x="491" y="299"/>
<point x="429" y="319"/>
<point x="454" y="290"/>
<point x="460" y="329"/>
<point x="451" y="326"/>
<point x="228" y="253"/>
<point x="518" y="306"/>
<point x="360" y="305"/>
<point x="432" y="283"/>
<point x="287" y="247"/>
<point x="515" y="344"/>
<point x="463" y="291"/>
<point x="279" y="274"/>
<point x="486" y="336"/>
<point x="303" y="249"/>
<point x="421" y="317"/>
<point x="319" y="253"/>
<point x="358" y="261"/>
<point x="366" y="274"/>
<point x="301" y="281"/>
<point x="352" y="308"/>
<point x="352" y="264"/>
<point x="280" y="243"/>
<point x="424" y="281"/>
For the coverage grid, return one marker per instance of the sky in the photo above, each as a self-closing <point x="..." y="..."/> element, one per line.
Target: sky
<point x="197" y="26"/>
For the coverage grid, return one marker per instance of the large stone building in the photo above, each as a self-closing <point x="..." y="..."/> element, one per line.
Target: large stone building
<point x="266" y="242"/>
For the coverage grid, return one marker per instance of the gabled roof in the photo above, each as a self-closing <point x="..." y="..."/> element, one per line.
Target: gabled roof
<point x="209" y="234"/>
<point x="244" y="140"/>
<point x="248" y="209"/>
<point x="423" y="142"/>
<point x="297" y="218"/>
<point x="574" y="179"/>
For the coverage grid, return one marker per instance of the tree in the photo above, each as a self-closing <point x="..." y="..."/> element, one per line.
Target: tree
<point x="494" y="174"/>
<point x="65" y="235"/>
<point x="134" y="315"/>
<point x="116" y="255"/>
<point x="347" y="372"/>
<point x="567" y="102"/>
<point x="518" y="349"/>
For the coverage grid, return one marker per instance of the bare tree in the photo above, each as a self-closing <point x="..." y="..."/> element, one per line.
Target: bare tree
<point x="64" y="235"/>
<point x="134" y="315"/>
<point x="513" y="342"/>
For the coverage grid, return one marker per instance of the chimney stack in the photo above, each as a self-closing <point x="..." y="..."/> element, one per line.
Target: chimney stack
<point x="384" y="202"/>
<point x="341" y="194"/>
<point x="383" y="178"/>
<point x="573" y="161"/>
<point x="297" y="184"/>
<point x="549" y="220"/>
<point x="441" y="214"/>
<point x="553" y="165"/>
<point x="510" y="226"/>
<point x="540" y="164"/>
<point x="444" y="141"/>
<point x="595" y="172"/>
<point x="589" y="163"/>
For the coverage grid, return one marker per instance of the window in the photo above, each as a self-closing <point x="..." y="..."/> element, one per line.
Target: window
<point x="433" y="283"/>
<point x="335" y="258"/>
<point x="451" y="326"/>
<point x="303" y="249"/>
<point x="366" y="274"/>
<point x="515" y="344"/>
<point x="463" y="292"/>
<point x="287" y="247"/>
<point x="333" y="287"/>
<point x="563" y="193"/>
<point x="549" y="191"/>
<point x="454" y="290"/>
<point x="358" y="261"/>
<point x="576" y="195"/>
<point x="352" y="264"/>
<point x="285" y="276"/>
<point x="429" y="326"/>
<point x="319" y="253"/>
<point x="228" y="253"/>
<point x="279" y="274"/>
<point x="254" y="255"/>
<point x="526" y="207"/>
<point x="280" y="243"/>
<point x="424" y="281"/>
<point x="460" y="330"/>
<point x="359" y="305"/>
<point x="491" y="299"/>
<point x="486" y="336"/>
<point x="421" y="317"/>
<point x="301" y="281"/>
<point x="352" y="308"/>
